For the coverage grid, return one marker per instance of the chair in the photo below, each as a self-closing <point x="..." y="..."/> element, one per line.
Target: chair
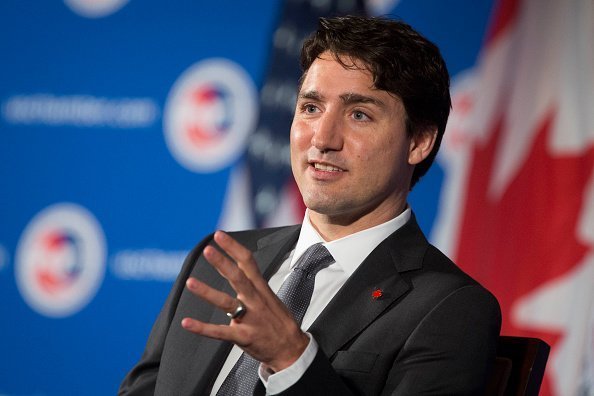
<point x="519" y="367"/>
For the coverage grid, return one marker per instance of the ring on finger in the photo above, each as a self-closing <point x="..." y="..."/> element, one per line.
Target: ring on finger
<point x="239" y="311"/>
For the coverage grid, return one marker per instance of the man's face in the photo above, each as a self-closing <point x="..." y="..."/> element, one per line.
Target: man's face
<point x="350" y="153"/>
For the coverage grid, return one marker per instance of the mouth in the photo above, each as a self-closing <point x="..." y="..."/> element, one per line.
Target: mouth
<point x="325" y="167"/>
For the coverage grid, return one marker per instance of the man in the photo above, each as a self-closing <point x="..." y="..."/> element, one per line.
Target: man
<point x="389" y="314"/>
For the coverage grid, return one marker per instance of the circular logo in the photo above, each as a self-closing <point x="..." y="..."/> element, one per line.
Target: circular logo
<point x="210" y="112"/>
<point x="60" y="260"/>
<point x="95" y="8"/>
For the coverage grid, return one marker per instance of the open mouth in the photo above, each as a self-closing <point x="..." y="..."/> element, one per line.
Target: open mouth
<point x="326" y="167"/>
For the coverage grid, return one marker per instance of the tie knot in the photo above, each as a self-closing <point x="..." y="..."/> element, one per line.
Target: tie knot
<point x="315" y="258"/>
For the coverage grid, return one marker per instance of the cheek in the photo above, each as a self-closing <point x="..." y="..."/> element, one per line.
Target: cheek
<point x="380" y="159"/>
<point x="365" y="152"/>
<point x="300" y="136"/>
<point x="298" y="144"/>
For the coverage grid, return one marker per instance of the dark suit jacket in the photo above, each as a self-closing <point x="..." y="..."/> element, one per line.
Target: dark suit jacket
<point x="433" y="331"/>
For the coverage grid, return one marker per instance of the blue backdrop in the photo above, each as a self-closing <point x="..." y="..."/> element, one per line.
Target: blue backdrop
<point x="97" y="209"/>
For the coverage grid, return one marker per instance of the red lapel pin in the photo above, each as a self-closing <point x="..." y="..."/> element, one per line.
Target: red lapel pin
<point x="377" y="293"/>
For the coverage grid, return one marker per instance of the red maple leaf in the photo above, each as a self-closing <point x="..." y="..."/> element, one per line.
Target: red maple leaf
<point x="526" y="236"/>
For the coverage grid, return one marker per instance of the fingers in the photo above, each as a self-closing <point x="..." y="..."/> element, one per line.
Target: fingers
<point x="249" y="284"/>
<point x="230" y="271"/>
<point x="267" y="330"/>
<point x="219" y="332"/>
<point x="241" y="271"/>
<point x="242" y="256"/>
<point x="215" y="297"/>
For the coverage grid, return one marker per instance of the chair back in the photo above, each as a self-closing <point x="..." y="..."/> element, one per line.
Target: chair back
<point x="519" y="367"/>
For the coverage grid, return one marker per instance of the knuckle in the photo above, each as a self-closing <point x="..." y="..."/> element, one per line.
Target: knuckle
<point x="245" y="255"/>
<point x="235" y="277"/>
<point x="245" y="336"/>
<point x="229" y="304"/>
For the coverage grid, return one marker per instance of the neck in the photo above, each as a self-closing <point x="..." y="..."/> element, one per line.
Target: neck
<point x="336" y="226"/>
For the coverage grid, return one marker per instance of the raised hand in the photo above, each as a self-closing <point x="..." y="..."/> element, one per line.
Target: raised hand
<point x="266" y="330"/>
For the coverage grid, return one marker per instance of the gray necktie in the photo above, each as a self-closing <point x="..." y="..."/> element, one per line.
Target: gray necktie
<point x="295" y="292"/>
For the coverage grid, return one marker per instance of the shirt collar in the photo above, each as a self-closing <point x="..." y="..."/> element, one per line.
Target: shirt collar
<point x="349" y="251"/>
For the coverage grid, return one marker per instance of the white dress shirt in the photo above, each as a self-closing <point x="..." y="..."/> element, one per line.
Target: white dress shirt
<point x="348" y="252"/>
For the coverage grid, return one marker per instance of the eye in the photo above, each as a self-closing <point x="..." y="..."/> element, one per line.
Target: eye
<point x="360" y="116"/>
<point x="309" y="108"/>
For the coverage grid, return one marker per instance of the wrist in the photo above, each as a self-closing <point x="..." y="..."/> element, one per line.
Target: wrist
<point x="276" y="383"/>
<point x="293" y="352"/>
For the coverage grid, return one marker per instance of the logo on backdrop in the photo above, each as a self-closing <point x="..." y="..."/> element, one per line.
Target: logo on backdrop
<point x="60" y="260"/>
<point x="210" y="112"/>
<point x="95" y="8"/>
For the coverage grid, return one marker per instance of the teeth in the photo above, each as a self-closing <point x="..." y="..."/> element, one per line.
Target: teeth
<point x="327" y="168"/>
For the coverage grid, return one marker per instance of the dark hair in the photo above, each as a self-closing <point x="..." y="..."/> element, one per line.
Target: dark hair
<point x="402" y="62"/>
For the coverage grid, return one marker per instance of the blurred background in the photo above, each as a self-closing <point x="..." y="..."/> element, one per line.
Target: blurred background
<point x="131" y="129"/>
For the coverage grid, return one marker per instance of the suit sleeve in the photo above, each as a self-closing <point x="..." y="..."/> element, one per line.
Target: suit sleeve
<point x="449" y="352"/>
<point x="142" y="379"/>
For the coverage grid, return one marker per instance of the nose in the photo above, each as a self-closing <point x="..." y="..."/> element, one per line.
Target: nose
<point x="327" y="134"/>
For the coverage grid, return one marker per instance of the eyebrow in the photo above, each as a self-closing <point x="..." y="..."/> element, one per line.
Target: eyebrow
<point x="347" y="98"/>
<point x="312" y="95"/>
<point x="353" y="98"/>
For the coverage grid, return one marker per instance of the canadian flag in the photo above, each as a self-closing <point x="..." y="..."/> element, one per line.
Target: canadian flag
<point x="517" y="210"/>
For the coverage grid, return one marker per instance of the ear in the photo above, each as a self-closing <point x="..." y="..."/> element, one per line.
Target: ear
<point x="421" y="145"/>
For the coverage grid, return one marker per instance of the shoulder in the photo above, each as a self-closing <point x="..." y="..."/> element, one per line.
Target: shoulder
<point x="418" y="258"/>
<point x="441" y="266"/>
<point x="430" y="272"/>
<point x="449" y="286"/>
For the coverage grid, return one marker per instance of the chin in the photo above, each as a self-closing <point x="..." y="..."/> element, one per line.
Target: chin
<point x="326" y="207"/>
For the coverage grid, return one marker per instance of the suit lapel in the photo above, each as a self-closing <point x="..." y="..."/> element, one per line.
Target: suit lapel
<point x="353" y="308"/>
<point x="273" y="249"/>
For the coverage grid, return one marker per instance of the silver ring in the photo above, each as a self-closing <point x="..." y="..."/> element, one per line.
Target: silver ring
<point x="239" y="311"/>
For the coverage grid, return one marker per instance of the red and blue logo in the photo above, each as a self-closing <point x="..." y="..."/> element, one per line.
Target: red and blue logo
<point x="60" y="260"/>
<point x="213" y="105"/>
<point x="209" y="114"/>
